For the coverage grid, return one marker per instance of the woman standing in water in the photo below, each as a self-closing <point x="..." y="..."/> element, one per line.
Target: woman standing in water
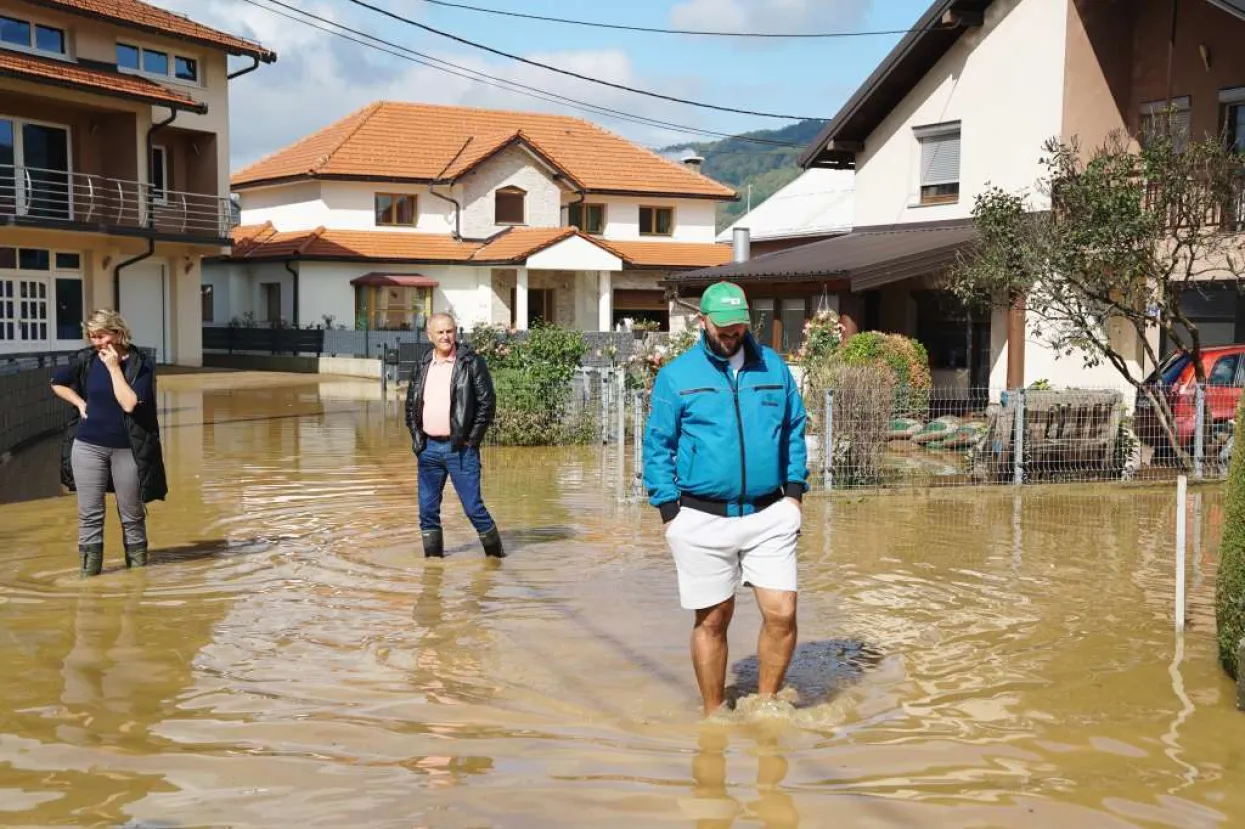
<point x="112" y="442"/>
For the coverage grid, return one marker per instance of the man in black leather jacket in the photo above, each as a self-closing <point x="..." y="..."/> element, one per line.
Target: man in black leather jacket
<point x="449" y="406"/>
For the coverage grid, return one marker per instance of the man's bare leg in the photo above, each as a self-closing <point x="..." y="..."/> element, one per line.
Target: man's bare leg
<point x="776" y="642"/>
<point x="709" y="650"/>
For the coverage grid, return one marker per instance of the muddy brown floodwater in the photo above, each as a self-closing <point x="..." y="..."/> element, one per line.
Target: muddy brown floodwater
<point x="971" y="659"/>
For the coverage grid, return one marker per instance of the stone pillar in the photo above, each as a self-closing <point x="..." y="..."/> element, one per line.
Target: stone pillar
<point x="520" y="299"/>
<point x="605" y="301"/>
<point x="1016" y="343"/>
<point x="484" y="298"/>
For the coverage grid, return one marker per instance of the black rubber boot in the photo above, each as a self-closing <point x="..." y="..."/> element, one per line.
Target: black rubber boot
<point x="92" y="559"/>
<point x="434" y="544"/>
<point x="491" y="539"/>
<point x="136" y="555"/>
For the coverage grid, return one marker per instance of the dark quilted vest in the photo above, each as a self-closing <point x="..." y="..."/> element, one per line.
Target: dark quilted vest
<point x="143" y="428"/>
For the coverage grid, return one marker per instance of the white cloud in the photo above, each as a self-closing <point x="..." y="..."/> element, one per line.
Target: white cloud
<point x="798" y="16"/>
<point x="319" y="78"/>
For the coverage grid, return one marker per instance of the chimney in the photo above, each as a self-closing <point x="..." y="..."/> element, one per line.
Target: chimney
<point x="742" y="245"/>
<point x="693" y="162"/>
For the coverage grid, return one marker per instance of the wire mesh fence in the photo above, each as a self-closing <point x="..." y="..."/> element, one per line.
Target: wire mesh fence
<point x="868" y="437"/>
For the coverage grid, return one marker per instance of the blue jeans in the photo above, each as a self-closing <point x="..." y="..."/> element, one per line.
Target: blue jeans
<point x="439" y="460"/>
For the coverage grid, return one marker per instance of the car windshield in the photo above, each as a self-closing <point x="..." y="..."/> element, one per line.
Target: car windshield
<point x="1169" y="370"/>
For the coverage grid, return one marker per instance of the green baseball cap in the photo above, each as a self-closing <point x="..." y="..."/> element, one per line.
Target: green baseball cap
<point x="725" y="304"/>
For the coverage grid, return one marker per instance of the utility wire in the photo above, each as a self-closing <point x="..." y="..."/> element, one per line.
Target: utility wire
<point x="659" y="31"/>
<point x="589" y="79"/>
<point x="405" y="53"/>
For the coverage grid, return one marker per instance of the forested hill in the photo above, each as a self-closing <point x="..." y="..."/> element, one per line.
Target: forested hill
<point x="738" y="163"/>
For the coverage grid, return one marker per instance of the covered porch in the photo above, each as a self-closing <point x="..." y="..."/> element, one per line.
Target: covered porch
<point x="884" y="279"/>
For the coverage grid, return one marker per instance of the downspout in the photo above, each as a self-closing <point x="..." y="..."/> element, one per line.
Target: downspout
<point x="294" y="275"/>
<point x="583" y="194"/>
<point x="245" y="71"/>
<point x="116" y="272"/>
<point x="151" y="218"/>
<point x="458" y="210"/>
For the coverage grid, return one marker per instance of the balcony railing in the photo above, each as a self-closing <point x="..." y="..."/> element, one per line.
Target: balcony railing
<point x="1224" y="212"/>
<point x="42" y="195"/>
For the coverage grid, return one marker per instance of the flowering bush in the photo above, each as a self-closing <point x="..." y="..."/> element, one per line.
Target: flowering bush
<point x="492" y="342"/>
<point x="823" y="334"/>
<point x="643" y="366"/>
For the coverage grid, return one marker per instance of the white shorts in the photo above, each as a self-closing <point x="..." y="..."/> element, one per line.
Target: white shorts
<point x="714" y="555"/>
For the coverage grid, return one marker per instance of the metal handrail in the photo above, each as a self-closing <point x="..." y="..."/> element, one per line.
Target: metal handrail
<point x="60" y="195"/>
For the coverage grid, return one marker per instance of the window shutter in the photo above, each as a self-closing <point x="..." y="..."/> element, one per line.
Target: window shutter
<point x="940" y="159"/>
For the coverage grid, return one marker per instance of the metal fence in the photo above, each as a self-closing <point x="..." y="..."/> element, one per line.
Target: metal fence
<point x="880" y="439"/>
<point x="606" y="349"/>
<point x="28" y="409"/>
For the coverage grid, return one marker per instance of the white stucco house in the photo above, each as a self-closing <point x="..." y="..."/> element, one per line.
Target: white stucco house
<point x="402" y="209"/>
<point x="965" y="101"/>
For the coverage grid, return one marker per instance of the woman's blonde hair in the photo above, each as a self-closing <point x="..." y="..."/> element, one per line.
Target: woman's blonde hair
<point x="109" y="322"/>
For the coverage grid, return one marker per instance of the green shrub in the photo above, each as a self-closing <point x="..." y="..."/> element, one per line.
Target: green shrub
<point x="907" y="360"/>
<point x="532" y="377"/>
<point x="1230" y="586"/>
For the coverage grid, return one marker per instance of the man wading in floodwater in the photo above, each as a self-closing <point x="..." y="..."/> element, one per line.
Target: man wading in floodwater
<point x="725" y="462"/>
<point x="449" y="406"/>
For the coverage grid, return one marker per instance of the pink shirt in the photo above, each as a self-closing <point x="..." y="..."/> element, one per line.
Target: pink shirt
<point x="437" y="397"/>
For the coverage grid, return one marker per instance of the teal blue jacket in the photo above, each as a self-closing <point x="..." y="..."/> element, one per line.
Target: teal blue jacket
<point x="722" y="439"/>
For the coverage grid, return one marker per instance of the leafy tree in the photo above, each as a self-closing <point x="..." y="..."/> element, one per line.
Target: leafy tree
<point x="1128" y="229"/>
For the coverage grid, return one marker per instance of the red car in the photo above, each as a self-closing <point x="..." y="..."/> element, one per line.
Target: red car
<point x="1224" y="367"/>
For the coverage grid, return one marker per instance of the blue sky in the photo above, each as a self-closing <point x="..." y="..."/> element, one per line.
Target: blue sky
<point x="320" y="78"/>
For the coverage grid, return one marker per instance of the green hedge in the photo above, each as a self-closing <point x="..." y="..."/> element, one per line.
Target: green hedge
<point x="1230" y="586"/>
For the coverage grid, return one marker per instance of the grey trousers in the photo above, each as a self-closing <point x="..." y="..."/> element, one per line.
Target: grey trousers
<point x="91" y="467"/>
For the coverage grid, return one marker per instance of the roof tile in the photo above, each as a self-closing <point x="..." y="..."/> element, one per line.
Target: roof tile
<point x="512" y="246"/>
<point x="61" y="73"/>
<point x="424" y="142"/>
<point x="135" y="13"/>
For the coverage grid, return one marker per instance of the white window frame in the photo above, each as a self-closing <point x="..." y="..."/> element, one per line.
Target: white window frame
<point x="46" y="278"/>
<point x="160" y="196"/>
<point x="171" y="75"/>
<point x="19" y="156"/>
<point x="30" y="48"/>
<point x="924" y="133"/>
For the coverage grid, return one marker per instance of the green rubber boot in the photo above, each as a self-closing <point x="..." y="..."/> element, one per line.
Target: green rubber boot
<point x="92" y="559"/>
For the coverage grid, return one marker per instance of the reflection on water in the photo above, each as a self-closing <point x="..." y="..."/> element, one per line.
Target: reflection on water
<point x="966" y="658"/>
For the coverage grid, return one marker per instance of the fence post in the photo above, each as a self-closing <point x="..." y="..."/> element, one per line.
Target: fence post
<point x="620" y="394"/>
<point x="1199" y="433"/>
<point x="605" y="406"/>
<point x="1018" y="449"/>
<point x="827" y="449"/>
<point x="637" y="431"/>
<point x="1182" y="507"/>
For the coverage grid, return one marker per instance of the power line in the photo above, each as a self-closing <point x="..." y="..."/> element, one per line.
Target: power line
<point x="431" y="62"/>
<point x="560" y="71"/>
<point x="654" y="30"/>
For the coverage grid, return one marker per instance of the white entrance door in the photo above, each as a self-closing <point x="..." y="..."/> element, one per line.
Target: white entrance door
<point x="145" y="306"/>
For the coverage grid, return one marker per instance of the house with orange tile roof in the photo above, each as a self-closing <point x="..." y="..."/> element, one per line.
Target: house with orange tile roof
<point x="403" y="209"/>
<point x="114" y="170"/>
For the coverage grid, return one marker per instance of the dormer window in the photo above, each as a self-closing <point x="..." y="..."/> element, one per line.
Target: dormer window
<point x="33" y="37"/>
<point x="509" y="207"/>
